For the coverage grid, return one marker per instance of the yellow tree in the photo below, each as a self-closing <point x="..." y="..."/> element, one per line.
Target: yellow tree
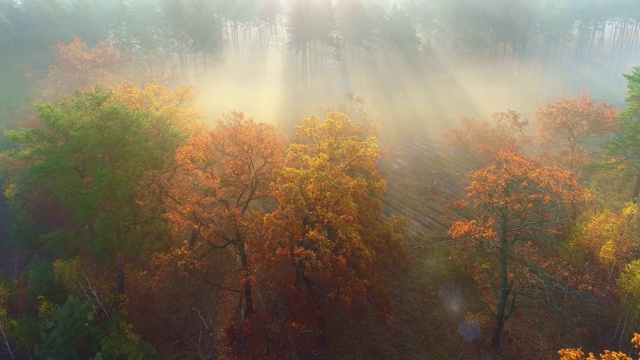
<point x="517" y="207"/>
<point x="611" y="237"/>
<point x="328" y="242"/>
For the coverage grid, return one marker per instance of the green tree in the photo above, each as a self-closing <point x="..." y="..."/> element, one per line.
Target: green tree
<point x="625" y="145"/>
<point x="72" y="333"/>
<point x="95" y="155"/>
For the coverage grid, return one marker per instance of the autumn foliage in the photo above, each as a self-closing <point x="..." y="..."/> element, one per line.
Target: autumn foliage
<point x="481" y="140"/>
<point x="565" y="127"/>
<point x="79" y="67"/>
<point x="517" y="209"/>
<point x="577" y="354"/>
<point x="327" y="244"/>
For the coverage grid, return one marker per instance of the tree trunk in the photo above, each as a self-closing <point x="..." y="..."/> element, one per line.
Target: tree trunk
<point x="504" y="295"/>
<point x="121" y="277"/>
<point x="500" y="317"/>
<point x="248" y="299"/>
<point x="497" y="332"/>
<point x="6" y="341"/>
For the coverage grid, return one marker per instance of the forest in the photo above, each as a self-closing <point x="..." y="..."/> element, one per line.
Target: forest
<point x="319" y="179"/>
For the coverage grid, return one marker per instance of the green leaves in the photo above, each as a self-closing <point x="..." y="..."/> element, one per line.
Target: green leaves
<point x="96" y="155"/>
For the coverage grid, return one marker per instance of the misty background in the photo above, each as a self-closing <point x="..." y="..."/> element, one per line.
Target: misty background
<point x="415" y="63"/>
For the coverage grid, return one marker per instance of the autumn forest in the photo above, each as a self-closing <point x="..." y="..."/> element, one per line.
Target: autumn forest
<point x="319" y="179"/>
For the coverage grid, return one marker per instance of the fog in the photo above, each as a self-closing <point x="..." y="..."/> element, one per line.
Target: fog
<point x="419" y="64"/>
<point x="427" y="86"/>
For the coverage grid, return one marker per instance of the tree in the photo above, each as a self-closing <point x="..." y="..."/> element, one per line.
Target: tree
<point x="328" y="243"/>
<point x="565" y="127"/>
<point x="625" y="144"/>
<point x="95" y="154"/>
<point x="480" y="140"/>
<point x="78" y="67"/>
<point x="609" y="236"/>
<point x="221" y="187"/>
<point x="517" y="209"/>
<point x="73" y="332"/>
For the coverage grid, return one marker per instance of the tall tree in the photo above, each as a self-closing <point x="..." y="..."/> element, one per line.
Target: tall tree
<point x="220" y="188"/>
<point x="95" y="155"/>
<point x="328" y="243"/>
<point x="517" y="209"/>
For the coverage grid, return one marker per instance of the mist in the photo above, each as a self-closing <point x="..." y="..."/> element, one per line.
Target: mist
<point x="419" y="64"/>
<point x="278" y="238"/>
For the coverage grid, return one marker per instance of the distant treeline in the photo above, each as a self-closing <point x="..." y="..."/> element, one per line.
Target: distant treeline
<point x="329" y="46"/>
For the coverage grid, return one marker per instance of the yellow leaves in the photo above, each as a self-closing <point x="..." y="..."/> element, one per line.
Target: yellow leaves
<point x="173" y="105"/>
<point x="329" y="220"/>
<point x="607" y="253"/>
<point x="577" y="354"/>
<point x="609" y="235"/>
<point x="46" y="308"/>
<point x="10" y="191"/>
<point x="631" y="210"/>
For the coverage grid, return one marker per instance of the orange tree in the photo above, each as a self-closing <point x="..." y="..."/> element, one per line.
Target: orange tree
<point x="517" y="209"/>
<point x="77" y="67"/>
<point x="327" y="244"/>
<point x="480" y="140"/>
<point x="221" y="180"/>
<point x="565" y="126"/>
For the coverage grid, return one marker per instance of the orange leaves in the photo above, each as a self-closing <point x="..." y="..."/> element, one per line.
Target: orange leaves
<point x="482" y="140"/>
<point x="222" y="175"/>
<point x="79" y="68"/>
<point x="564" y="127"/>
<point x="514" y="203"/>
<point x="473" y="229"/>
<point x="516" y="184"/>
